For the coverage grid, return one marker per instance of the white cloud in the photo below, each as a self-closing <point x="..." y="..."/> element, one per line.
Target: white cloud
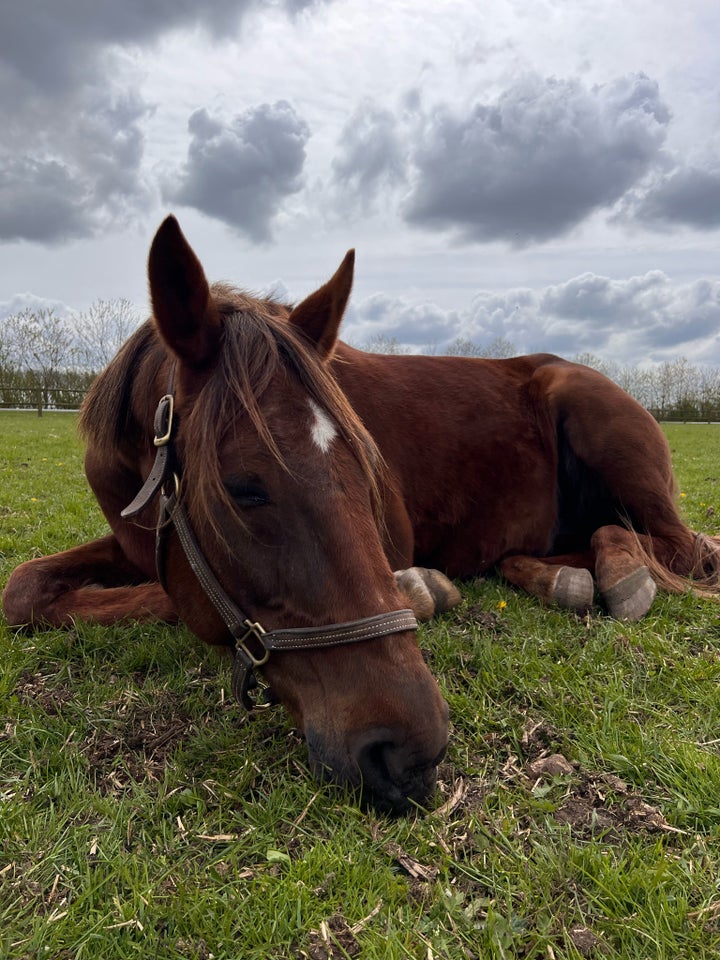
<point x="28" y="301"/>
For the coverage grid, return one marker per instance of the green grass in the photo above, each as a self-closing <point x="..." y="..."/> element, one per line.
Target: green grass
<point x="142" y="816"/>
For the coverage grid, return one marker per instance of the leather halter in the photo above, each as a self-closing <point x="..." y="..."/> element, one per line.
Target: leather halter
<point x="241" y="627"/>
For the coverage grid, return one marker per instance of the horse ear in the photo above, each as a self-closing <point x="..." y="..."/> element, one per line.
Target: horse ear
<point x="180" y="296"/>
<point x="319" y="315"/>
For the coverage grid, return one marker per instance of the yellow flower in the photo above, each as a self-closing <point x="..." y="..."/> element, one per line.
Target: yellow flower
<point x="34" y="500"/>
<point x="502" y="604"/>
<point x="683" y="494"/>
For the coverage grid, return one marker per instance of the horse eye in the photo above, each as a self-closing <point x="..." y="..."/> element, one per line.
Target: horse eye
<point x="247" y="493"/>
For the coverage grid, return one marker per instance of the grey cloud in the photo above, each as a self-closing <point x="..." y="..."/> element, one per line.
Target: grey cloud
<point x="62" y="180"/>
<point x="646" y="316"/>
<point x="370" y="154"/>
<point x="41" y="200"/>
<point x="240" y="171"/>
<point x="688" y="195"/>
<point x="538" y="160"/>
<point x="634" y="321"/>
<point x="72" y="147"/>
<point x="71" y="35"/>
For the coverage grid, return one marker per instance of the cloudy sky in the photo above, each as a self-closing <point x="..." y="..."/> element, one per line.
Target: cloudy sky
<point x="544" y="172"/>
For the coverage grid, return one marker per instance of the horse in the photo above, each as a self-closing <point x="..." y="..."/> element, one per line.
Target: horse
<point x="301" y="503"/>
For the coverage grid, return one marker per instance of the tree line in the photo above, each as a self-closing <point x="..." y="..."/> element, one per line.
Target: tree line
<point x="48" y="362"/>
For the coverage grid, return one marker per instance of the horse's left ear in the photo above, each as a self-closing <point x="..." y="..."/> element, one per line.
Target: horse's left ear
<point x="319" y="315"/>
<point x="184" y="310"/>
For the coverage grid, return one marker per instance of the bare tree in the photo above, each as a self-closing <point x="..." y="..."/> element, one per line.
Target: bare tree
<point x="497" y="349"/>
<point x="381" y="343"/>
<point x="42" y="346"/>
<point x="102" y="329"/>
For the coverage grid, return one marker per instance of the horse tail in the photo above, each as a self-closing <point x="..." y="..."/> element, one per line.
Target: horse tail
<point x="700" y="566"/>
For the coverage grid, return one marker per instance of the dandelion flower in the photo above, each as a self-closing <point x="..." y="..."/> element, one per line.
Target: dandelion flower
<point x="502" y="604"/>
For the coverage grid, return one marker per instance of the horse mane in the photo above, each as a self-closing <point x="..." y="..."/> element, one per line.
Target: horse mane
<point x="106" y="414"/>
<point x="257" y="345"/>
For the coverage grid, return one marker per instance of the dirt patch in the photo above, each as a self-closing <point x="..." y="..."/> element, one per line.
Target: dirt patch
<point x="585" y="941"/>
<point x="602" y="803"/>
<point x="596" y="803"/>
<point x="36" y="690"/>
<point x="538" y="738"/>
<point x="461" y="794"/>
<point x="138" y="744"/>
<point x="475" y="615"/>
<point x="334" y="938"/>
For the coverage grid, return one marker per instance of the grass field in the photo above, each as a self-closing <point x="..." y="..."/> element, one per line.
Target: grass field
<point x="142" y="816"/>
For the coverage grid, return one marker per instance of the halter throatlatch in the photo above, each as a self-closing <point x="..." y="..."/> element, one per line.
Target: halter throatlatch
<point x="252" y="643"/>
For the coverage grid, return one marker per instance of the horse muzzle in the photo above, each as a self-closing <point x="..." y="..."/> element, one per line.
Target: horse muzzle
<point x="394" y="772"/>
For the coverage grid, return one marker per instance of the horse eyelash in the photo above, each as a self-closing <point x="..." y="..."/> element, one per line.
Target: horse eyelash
<point x="247" y="493"/>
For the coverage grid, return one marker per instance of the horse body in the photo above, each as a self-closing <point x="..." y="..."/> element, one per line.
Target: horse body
<point x="536" y="465"/>
<point x="472" y="460"/>
<point x="309" y="471"/>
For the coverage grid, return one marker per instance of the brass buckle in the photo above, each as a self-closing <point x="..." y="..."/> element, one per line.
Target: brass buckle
<point x="167" y="403"/>
<point x="176" y="485"/>
<point x="257" y="631"/>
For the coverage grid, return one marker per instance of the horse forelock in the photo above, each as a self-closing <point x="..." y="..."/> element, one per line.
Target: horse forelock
<point x="258" y="345"/>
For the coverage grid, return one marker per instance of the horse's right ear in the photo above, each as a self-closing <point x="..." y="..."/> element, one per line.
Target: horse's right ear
<point x="320" y="314"/>
<point x="183" y="308"/>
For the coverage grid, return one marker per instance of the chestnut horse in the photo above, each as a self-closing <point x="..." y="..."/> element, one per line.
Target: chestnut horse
<point x="288" y="474"/>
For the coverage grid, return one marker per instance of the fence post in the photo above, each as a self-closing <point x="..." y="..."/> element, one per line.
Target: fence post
<point x="39" y="401"/>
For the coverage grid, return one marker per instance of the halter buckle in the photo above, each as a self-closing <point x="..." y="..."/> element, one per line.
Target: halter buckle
<point x="258" y="632"/>
<point x="164" y="420"/>
<point x="245" y="680"/>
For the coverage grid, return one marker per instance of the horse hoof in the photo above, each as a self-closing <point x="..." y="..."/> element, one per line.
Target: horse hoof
<point x="631" y="597"/>
<point x="428" y="592"/>
<point x="574" y="589"/>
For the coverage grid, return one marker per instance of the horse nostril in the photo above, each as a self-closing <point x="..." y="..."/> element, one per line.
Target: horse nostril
<point x="396" y="773"/>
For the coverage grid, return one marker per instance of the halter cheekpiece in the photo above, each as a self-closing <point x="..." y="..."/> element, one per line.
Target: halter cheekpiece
<point x="165" y="479"/>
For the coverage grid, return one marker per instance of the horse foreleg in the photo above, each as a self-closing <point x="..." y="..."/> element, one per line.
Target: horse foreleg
<point x="566" y="581"/>
<point x="624" y="581"/>
<point x="428" y="592"/>
<point x="94" y="581"/>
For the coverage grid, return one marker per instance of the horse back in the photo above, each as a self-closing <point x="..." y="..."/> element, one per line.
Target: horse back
<point x="525" y="455"/>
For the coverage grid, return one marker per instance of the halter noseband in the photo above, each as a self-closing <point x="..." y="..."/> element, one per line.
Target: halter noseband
<point x="241" y="627"/>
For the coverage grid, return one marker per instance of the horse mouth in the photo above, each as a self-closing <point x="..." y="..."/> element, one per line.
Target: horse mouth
<point x="375" y="778"/>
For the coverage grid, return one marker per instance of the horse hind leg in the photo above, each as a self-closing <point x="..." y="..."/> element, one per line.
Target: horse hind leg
<point x="428" y="592"/>
<point x="624" y="581"/>
<point x="565" y="581"/>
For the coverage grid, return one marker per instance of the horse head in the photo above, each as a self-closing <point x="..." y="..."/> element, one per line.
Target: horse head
<point x="283" y="488"/>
